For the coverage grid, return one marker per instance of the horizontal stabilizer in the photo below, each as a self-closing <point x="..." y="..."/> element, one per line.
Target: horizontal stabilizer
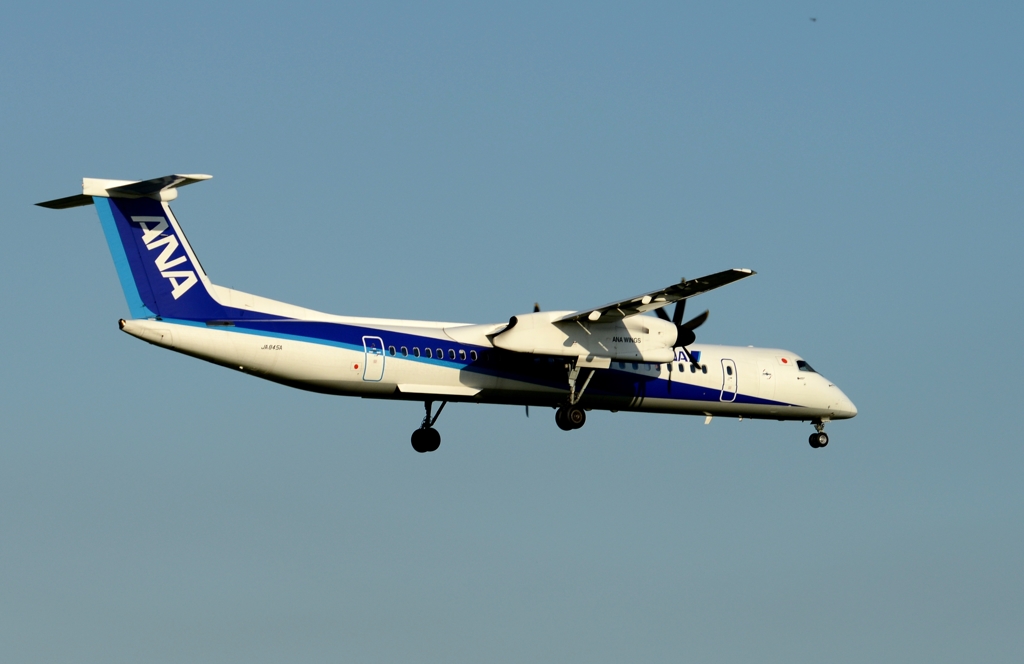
<point x="150" y="187"/>
<point x="162" y="189"/>
<point x="77" y="200"/>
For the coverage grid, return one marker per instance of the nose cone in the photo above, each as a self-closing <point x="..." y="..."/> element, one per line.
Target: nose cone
<point x="843" y="408"/>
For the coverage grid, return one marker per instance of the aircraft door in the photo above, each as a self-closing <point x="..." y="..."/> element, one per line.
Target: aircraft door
<point x="729" y="381"/>
<point x="373" y="362"/>
<point x="766" y="371"/>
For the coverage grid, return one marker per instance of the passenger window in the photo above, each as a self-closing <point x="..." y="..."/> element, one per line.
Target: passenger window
<point x="440" y="354"/>
<point x="429" y="352"/>
<point x="391" y="350"/>
<point x="405" y="352"/>
<point x="693" y="368"/>
<point x="622" y="365"/>
<point x="728" y="370"/>
<point x="473" y="355"/>
<point x="462" y="354"/>
<point x="636" y="366"/>
<point x="415" y="351"/>
<point x="451" y="353"/>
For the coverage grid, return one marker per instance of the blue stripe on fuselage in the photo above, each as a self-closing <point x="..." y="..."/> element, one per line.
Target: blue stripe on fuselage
<point x="546" y="371"/>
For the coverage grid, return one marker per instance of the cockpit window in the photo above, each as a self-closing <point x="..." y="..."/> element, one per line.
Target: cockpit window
<point x="804" y="366"/>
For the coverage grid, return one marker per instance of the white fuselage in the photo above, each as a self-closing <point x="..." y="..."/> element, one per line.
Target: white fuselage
<point x="732" y="381"/>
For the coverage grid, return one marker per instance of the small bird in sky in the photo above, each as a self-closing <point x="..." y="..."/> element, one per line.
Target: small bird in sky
<point x="814" y="19"/>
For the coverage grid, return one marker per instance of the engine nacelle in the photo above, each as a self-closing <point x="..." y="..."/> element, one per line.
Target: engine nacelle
<point x="632" y="339"/>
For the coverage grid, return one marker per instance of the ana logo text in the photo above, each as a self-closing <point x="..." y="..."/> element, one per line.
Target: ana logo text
<point x="152" y="229"/>
<point x="681" y="356"/>
<point x="625" y="340"/>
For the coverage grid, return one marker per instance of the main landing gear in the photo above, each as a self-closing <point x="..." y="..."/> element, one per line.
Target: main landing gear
<point x="819" y="438"/>
<point x="570" y="416"/>
<point x="426" y="438"/>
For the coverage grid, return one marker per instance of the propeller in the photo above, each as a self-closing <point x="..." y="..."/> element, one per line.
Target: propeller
<point x="685" y="335"/>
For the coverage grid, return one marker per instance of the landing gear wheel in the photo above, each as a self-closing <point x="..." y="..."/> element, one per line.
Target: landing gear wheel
<point x="418" y="440"/>
<point x="433" y="439"/>
<point x="426" y="440"/>
<point x="818" y="440"/>
<point x="570" y="417"/>
<point x="562" y="420"/>
<point x="576" y="417"/>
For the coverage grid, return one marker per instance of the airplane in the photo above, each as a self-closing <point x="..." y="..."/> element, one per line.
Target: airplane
<point x="612" y="357"/>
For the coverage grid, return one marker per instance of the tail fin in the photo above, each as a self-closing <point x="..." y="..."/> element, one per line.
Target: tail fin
<point x="159" y="273"/>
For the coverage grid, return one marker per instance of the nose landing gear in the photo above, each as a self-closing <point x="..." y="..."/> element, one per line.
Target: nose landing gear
<point x="819" y="438"/>
<point x="426" y="438"/>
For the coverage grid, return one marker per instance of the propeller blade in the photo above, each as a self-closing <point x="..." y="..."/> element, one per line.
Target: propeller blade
<point x="690" y="358"/>
<point x="661" y="314"/>
<point x="696" y="321"/>
<point x="685" y="335"/>
<point x="678" y="312"/>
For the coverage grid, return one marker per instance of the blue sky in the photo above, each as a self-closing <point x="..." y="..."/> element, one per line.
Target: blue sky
<point x="460" y="162"/>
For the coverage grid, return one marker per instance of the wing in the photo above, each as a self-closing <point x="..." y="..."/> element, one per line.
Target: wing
<point x="659" y="298"/>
